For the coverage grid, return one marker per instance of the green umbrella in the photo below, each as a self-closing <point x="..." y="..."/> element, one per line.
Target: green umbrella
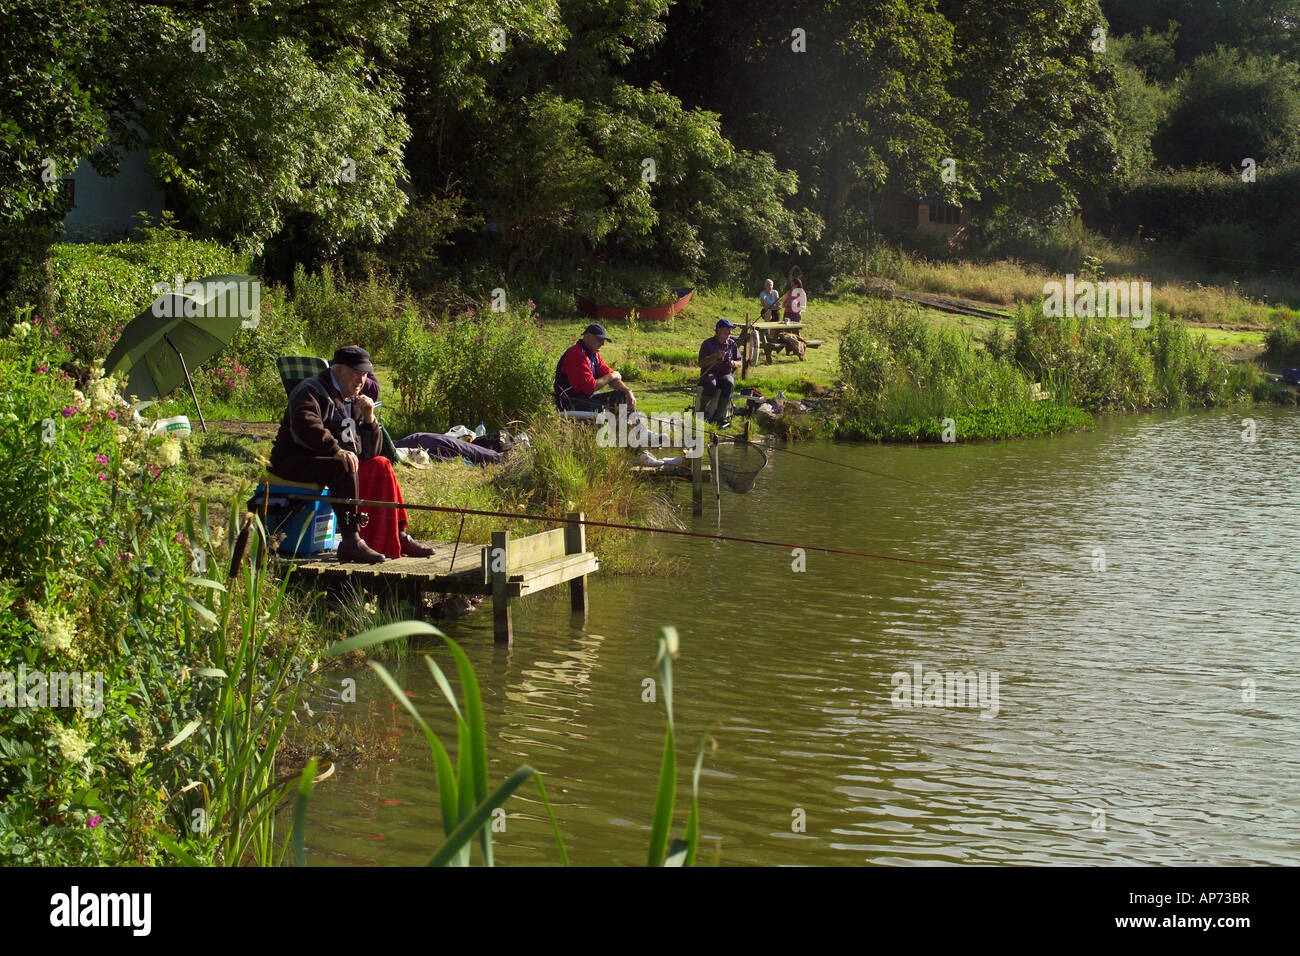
<point x="180" y="330"/>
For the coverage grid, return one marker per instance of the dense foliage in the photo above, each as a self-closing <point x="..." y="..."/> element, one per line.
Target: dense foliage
<point x="93" y="561"/>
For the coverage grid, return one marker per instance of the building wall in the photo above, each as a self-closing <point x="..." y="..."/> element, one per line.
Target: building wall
<point x="106" y="208"/>
<point x="924" y="224"/>
<point x="898" y="209"/>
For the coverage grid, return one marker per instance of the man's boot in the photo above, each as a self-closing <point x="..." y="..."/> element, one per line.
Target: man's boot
<point x="353" y="550"/>
<point x="412" y="548"/>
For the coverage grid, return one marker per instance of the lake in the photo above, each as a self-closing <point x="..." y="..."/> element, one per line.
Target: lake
<point x="1133" y="667"/>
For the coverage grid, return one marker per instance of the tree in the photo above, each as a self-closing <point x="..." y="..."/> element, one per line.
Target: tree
<point x="51" y="116"/>
<point x="1229" y="106"/>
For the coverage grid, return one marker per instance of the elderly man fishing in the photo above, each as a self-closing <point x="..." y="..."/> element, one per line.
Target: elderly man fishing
<point x="581" y="371"/>
<point x="329" y="436"/>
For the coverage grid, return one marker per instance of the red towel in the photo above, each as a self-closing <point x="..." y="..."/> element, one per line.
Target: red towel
<point x="376" y="482"/>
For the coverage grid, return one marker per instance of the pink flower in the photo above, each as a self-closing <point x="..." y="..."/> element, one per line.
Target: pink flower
<point x="69" y="411"/>
<point x="53" y="330"/>
<point x="99" y="542"/>
<point x="102" y="459"/>
<point x="124" y="556"/>
<point x="44" y="368"/>
<point x="179" y="537"/>
<point x="95" y="821"/>
<point x="103" y="477"/>
<point x="113" y="415"/>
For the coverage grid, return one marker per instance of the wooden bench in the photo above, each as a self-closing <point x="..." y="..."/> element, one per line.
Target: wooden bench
<point x="514" y="567"/>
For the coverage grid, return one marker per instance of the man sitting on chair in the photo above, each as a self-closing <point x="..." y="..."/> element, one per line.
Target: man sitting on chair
<point x="719" y="360"/>
<point x="581" y="371"/>
<point x="329" y="436"/>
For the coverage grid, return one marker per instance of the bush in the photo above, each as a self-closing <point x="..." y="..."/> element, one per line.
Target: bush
<point x="492" y="367"/>
<point x="1282" y="344"/>
<point x="337" y="311"/>
<point x="104" y="572"/>
<point x="92" y="568"/>
<point x="98" y="289"/>
<point x="1100" y="363"/>
<point x="1227" y="247"/>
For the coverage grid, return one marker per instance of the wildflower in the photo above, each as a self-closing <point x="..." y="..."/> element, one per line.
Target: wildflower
<point x="170" y="453"/>
<point x="103" y="477"/>
<point x="11" y="417"/>
<point x="95" y="821"/>
<point x="101" y="393"/>
<point x="179" y="537"/>
<point x="113" y="415"/>
<point x="124" y="556"/>
<point x="70" y="743"/>
<point x="43" y="369"/>
<point x="99" y="542"/>
<point x="56" y="632"/>
<point x="101" y="459"/>
<point x="20" y="330"/>
<point x="69" y="411"/>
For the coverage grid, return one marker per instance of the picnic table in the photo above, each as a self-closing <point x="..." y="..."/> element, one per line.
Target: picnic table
<point x="769" y="337"/>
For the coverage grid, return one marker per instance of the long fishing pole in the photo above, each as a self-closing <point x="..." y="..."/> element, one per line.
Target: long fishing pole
<point x="363" y="503"/>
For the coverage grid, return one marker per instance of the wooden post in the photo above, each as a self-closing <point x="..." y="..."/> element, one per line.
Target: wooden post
<point x="575" y="542"/>
<point x="502" y="631"/>
<point x="697" y="484"/>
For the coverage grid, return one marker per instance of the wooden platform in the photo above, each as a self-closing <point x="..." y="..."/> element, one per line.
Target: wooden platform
<point x="434" y="573"/>
<point x="507" y="568"/>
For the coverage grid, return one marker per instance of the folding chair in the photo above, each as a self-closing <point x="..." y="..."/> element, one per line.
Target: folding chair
<point x="294" y="369"/>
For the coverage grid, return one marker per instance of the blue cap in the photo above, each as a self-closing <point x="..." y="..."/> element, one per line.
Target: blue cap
<point x="597" y="330"/>
<point x="724" y="324"/>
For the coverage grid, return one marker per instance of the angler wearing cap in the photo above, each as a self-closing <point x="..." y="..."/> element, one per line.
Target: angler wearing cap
<point x="719" y="360"/>
<point x="581" y="371"/>
<point x="329" y="436"/>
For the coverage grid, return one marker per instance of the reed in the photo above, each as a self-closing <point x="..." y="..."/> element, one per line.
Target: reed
<point x="466" y="805"/>
<point x="247" y="698"/>
<point x="463" y="794"/>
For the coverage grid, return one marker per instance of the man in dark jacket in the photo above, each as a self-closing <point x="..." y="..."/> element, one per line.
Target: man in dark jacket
<point x="328" y="429"/>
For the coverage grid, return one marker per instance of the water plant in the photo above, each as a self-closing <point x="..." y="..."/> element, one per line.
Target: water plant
<point x="465" y="804"/>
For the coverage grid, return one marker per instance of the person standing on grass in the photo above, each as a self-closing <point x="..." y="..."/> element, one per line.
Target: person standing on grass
<point x="795" y="300"/>
<point x="581" y="371"/>
<point x="768" y="299"/>
<point x="719" y="361"/>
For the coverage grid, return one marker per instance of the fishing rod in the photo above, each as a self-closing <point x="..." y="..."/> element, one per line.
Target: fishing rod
<point x="363" y="503"/>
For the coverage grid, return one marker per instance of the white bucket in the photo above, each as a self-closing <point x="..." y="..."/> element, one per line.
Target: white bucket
<point x="177" y="427"/>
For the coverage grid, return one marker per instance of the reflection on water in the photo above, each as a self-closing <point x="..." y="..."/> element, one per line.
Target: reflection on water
<point x="1143" y="633"/>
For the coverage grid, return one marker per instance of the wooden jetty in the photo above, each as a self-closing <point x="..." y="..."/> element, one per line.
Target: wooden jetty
<point x="507" y="568"/>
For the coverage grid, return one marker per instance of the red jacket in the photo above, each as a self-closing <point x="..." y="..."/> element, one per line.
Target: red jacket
<point x="577" y="371"/>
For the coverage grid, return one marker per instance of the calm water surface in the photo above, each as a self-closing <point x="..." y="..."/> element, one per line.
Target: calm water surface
<point x="1144" y="638"/>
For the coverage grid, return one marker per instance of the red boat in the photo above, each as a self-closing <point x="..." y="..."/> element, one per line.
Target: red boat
<point x="651" y="313"/>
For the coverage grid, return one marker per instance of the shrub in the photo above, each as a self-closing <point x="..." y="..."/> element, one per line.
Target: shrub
<point x="99" y="288"/>
<point x="92" y="564"/>
<point x="1282" y="344"/>
<point x="102" y="571"/>
<point x="493" y="367"/>
<point x="338" y="311"/>
<point x="1100" y="363"/>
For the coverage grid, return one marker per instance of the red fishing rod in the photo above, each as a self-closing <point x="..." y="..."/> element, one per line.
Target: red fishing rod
<point x="363" y="503"/>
